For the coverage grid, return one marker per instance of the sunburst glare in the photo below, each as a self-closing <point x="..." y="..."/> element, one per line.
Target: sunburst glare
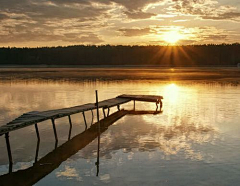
<point x="172" y="37"/>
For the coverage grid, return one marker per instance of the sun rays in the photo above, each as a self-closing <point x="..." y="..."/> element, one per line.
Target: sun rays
<point x="172" y="37"/>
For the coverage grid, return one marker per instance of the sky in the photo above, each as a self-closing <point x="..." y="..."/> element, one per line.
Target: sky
<point x="36" y="23"/>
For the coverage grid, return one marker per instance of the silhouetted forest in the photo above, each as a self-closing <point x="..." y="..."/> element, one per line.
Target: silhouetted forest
<point x="192" y="55"/>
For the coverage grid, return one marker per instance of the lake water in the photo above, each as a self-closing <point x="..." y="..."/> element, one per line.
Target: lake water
<point x="194" y="141"/>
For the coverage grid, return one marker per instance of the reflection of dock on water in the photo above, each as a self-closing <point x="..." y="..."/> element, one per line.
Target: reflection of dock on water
<point x="33" y="118"/>
<point x="52" y="160"/>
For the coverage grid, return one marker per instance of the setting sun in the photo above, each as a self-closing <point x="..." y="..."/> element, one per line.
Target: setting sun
<point x="172" y="37"/>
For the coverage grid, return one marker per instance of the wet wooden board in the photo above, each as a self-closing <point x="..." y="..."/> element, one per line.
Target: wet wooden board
<point x="34" y="117"/>
<point x="113" y="102"/>
<point x="146" y="98"/>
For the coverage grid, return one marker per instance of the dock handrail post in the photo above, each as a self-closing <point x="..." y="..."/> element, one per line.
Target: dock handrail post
<point x="134" y="106"/>
<point x="54" y="129"/>
<point x="9" y="151"/>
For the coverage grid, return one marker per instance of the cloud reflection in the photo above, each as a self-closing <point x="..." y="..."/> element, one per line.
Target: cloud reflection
<point x="135" y="134"/>
<point x="69" y="173"/>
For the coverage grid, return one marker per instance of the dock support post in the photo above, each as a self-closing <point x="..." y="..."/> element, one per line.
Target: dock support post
<point x="37" y="150"/>
<point x="98" y="152"/>
<point x="104" y="114"/>
<point x="156" y="106"/>
<point x="92" y="117"/>
<point x="70" y="129"/>
<point x="84" y="120"/>
<point x="97" y="111"/>
<point x="97" y="105"/>
<point x="108" y="111"/>
<point x="9" y="152"/>
<point x="118" y="107"/>
<point x="37" y="132"/>
<point x="56" y="144"/>
<point x="134" y="105"/>
<point x="161" y="105"/>
<point x="54" y="129"/>
<point x="38" y="142"/>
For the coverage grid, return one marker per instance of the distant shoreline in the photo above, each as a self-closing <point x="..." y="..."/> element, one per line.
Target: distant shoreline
<point x="122" y="56"/>
<point x="118" y="73"/>
<point x="111" y="66"/>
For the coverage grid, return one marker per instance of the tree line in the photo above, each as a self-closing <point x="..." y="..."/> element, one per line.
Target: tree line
<point x="169" y="56"/>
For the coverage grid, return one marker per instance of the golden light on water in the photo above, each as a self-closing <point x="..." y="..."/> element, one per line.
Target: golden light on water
<point x="172" y="90"/>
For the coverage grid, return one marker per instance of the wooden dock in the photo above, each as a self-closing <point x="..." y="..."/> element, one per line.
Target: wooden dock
<point x="35" y="117"/>
<point x="53" y="160"/>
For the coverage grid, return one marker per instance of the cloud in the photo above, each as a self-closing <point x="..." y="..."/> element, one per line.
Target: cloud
<point x="86" y="2"/>
<point x="42" y="20"/>
<point x="86" y="38"/>
<point x="131" y="5"/>
<point x="206" y="9"/>
<point x="227" y="15"/>
<point x="138" y="14"/>
<point x="215" y="37"/>
<point x="91" y="21"/>
<point x="129" y="32"/>
<point x="133" y="9"/>
<point x="41" y="35"/>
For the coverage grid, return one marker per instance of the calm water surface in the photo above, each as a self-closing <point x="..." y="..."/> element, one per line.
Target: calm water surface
<point x="194" y="141"/>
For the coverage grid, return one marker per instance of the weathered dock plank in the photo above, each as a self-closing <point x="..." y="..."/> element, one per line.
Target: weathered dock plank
<point x="113" y="102"/>
<point x="146" y="98"/>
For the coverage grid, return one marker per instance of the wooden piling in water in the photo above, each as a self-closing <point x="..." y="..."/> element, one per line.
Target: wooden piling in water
<point x="54" y="129"/>
<point x="37" y="150"/>
<point x="84" y="120"/>
<point x="37" y="132"/>
<point x="9" y="152"/>
<point x="70" y="128"/>
<point x="97" y="105"/>
<point x="92" y="117"/>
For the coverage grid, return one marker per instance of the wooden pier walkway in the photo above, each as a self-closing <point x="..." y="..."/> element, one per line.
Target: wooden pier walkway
<point x="35" y="117"/>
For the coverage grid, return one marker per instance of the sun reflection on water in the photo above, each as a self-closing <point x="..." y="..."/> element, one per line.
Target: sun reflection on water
<point x="172" y="90"/>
